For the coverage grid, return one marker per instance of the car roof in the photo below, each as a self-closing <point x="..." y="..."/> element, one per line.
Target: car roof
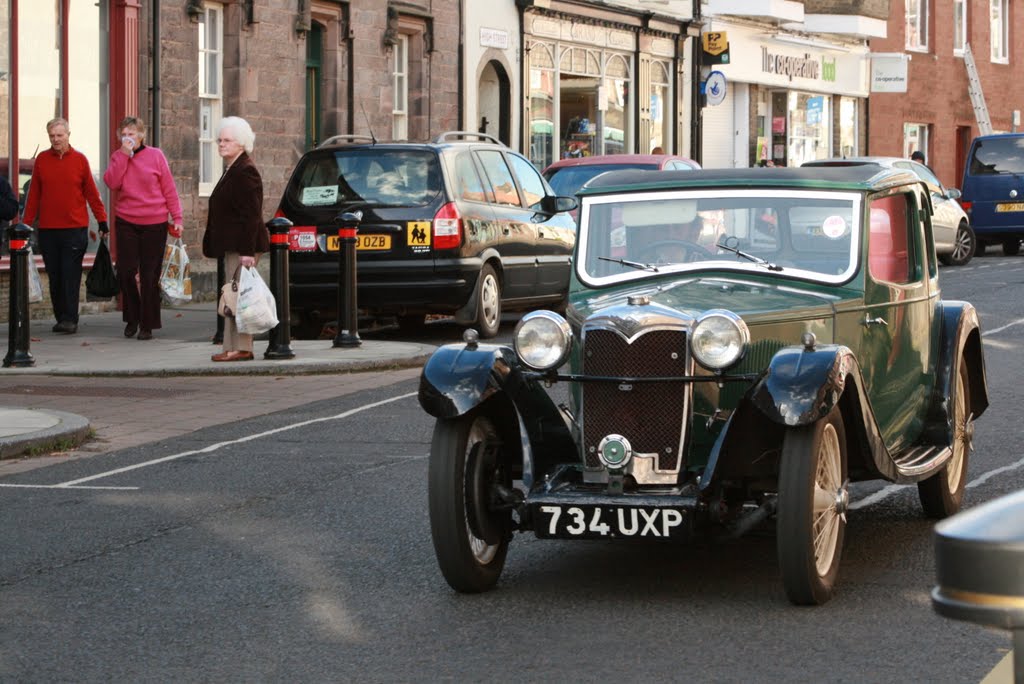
<point x="650" y="159"/>
<point x="860" y="178"/>
<point x="839" y="161"/>
<point x="350" y="141"/>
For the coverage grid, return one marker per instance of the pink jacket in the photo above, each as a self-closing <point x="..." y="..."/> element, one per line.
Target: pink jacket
<point x="145" y="187"/>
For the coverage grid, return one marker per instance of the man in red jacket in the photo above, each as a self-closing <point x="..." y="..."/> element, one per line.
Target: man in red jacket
<point x="61" y="188"/>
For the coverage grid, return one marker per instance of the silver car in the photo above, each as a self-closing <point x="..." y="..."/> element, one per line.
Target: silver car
<point x="955" y="242"/>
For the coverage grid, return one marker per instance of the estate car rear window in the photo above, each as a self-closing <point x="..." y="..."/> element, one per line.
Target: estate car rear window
<point x="998" y="155"/>
<point x="335" y="179"/>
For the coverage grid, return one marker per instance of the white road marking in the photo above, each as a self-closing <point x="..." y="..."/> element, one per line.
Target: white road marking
<point x="74" y="484"/>
<point x="1008" y="325"/>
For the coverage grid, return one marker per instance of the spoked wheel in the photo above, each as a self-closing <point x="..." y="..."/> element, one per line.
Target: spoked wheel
<point x="942" y="493"/>
<point x="488" y="302"/>
<point x="470" y="540"/>
<point x="964" y="246"/>
<point x="811" y="518"/>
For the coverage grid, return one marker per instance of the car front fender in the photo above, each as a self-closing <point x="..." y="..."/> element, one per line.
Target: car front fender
<point x="802" y="385"/>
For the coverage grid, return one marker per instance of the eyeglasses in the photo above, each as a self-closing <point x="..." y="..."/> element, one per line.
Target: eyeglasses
<point x="225" y="140"/>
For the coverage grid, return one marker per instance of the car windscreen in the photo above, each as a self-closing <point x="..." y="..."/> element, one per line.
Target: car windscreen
<point x="567" y="180"/>
<point x="338" y="178"/>
<point x="805" y="234"/>
<point x="998" y="155"/>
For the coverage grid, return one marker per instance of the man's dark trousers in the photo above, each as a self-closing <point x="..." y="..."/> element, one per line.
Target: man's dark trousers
<point x="63" y="250"/>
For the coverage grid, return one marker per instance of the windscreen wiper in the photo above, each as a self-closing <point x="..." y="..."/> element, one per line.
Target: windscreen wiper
<point x="730" y="244"/>
<point x="632" y="264"/>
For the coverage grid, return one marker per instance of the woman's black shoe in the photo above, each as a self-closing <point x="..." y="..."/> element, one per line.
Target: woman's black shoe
<point x="145" y="334"/>
<point x="131" y="329"/>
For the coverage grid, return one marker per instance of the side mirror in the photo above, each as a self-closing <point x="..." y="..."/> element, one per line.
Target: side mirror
<point x="953" y="193"/>
<point x="556" y="204"/>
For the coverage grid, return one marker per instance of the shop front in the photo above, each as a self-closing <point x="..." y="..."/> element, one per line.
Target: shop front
<point x="791" y="100"/>
<point x="599" y="88"/>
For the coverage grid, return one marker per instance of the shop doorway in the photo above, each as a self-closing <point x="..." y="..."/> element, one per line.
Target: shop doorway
<point x="578" y="110"/>
<point x="494" y="101"/>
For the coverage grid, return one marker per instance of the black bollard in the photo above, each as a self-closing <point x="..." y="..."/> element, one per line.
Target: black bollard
<point x="280" y="336"/>
<point x="218" y="336"/>
<point x="348" y="316"/>
<point x="18" y="354"/>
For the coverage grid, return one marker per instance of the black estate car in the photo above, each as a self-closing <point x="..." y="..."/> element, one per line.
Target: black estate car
<point x="461" y="225"/>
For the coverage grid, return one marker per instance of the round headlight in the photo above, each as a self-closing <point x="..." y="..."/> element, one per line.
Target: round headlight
<point x="719" y="339"/>
<point x="542" y="340"/>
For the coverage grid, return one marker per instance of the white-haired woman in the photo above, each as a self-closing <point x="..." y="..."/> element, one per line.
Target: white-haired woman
<point x="234" y="225"/>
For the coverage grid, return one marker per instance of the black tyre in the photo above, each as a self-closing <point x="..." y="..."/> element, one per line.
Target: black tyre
<point x="463" y="466"/>
<point x="811" y="518"/>
<point x="488" y="302"/>
<point x="942" y="493"/>
<point x="1011" y="247"/>
<point x="964" y="247"/>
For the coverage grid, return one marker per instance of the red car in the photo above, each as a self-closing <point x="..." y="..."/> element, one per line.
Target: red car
<point x="567" y="176"/>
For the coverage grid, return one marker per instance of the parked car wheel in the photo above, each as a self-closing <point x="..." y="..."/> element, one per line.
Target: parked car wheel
<point x="964" y="247"/>
<point x="470" y="541"/>
<point x="1011" y="247"/>
<point x="811" y="518"/>
<point x="488" y="302"/>
<point x="942" y="493"/>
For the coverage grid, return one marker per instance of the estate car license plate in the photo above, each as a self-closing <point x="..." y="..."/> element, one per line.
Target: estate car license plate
<point x="604" y="522"/>
<point x="368" y="241"/>
<point x="1011" y="206"/>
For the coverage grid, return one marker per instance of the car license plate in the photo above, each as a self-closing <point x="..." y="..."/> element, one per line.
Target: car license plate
<point x="1012" y="206"/>
<point x="608" y="522"/>
<point x="363" y="242"/>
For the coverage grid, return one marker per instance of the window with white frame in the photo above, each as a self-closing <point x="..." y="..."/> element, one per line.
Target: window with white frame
<point x="916" y="24"/>
<point x="400" y="87"/>
<point x="1000" y="38"/>
<point x="211" y="92"/>
<point x="959" y="26"/>
<point x="915" y="137"/>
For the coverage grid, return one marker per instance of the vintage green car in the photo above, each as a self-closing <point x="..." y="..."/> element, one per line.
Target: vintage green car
<point x="739" y="345"/>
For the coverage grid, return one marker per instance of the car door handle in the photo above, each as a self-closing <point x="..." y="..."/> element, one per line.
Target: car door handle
<point x="874" y="321"/>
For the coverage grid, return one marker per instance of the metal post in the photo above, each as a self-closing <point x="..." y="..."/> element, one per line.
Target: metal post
<point x="218" y="336"/>
<point x="18" y="354"/>
<point x="1018" y="656"/>
<point x="280" y="336"/>
<point x="348" y="316"/>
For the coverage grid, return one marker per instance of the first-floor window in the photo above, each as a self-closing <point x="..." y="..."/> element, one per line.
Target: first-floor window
<point x="959" y="26"/>
<point x="915" y="137"/>
<point x="916" y="24"/>
<point x="211" y="36"/>
<point x="1000" y="31"/>
<point x="400" y="85"/>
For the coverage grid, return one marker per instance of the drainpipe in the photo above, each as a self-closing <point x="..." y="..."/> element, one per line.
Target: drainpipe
<point x="155" y="116"/>
<point x="462" y="67"/>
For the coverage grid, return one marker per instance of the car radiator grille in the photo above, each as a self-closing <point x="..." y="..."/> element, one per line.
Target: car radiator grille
<point x="649" y="415"/>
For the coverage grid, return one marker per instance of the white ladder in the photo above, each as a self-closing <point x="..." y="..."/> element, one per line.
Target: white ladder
<point x="974" y="90"/>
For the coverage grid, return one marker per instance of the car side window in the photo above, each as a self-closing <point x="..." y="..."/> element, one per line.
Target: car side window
<point x="467" y="180"/>
<point x="529" y="180"/>
<point x="889" y="241"/>
<point x="499" y="178"/>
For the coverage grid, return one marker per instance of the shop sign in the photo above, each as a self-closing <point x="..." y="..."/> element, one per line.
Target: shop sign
<point x="804" y="66"/>
<point x="889" y="73"/>
<point x="714" y="88"/>
<point x="716" y="47"/>
<point x="495" y="38"/>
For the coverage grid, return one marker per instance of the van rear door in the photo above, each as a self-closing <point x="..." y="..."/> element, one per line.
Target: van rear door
<point x="993" y="187"/>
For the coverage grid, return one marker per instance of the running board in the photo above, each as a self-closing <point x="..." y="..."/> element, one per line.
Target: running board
<point x="920" y="462"/>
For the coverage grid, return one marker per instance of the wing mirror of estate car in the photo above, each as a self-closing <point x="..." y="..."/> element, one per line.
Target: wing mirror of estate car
<point x="556" y="204"/>
<point x="978" y="558"/>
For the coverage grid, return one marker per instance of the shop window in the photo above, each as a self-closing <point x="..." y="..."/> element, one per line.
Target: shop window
<point x="809" y="130"/>
<point x="1000" y="30"/>
<point x="847" y="127"/>
<point x="916" y="25"/>
<point x="540" y="118"/>
<point x="400" y="88"/>
<point x="211" y="93"/>
<point x="915" y="137"/>
<point x="959" y="26"/>
<point x="661" y="107"/>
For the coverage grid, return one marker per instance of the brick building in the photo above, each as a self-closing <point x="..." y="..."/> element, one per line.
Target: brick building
<point x="935" y="114"/>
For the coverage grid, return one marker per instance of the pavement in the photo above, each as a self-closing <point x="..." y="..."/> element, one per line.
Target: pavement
<point x="95" y="385"/>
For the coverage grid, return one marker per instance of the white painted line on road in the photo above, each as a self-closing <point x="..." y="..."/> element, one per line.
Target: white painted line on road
<point x="1008" y="325"/>
<point x="30" y="486"/>
<point x="73" y="484"/>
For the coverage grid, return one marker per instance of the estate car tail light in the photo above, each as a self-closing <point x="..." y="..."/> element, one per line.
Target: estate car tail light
<point x="447" y="227"/>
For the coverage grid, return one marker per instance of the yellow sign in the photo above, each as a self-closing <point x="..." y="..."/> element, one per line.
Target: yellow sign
<point x="716" y="42"/>
<point x="418" y="234"/>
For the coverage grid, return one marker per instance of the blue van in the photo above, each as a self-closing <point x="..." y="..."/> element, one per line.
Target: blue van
<point x="993" y="190"/>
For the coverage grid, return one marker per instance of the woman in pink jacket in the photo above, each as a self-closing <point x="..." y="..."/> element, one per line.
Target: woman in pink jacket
<point x="146" y="196"/>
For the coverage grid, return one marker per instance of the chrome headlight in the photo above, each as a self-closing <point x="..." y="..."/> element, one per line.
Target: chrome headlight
<point x="719" y="339"/>
<point x="542" y="340"/>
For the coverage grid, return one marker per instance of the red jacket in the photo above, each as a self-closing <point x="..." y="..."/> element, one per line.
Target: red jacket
<point x="61" y="188"/>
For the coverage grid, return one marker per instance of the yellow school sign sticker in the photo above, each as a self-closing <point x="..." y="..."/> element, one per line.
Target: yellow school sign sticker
<point x="417" y="235"/>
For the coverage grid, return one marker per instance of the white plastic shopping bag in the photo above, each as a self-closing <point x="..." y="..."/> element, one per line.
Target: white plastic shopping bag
<point x="175" y="277"/>
<point x="257" y="308"/>
<point x="35" y="285"/>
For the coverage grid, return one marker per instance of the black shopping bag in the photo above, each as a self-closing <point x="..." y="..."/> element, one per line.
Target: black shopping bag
<point x="102" y="280"/>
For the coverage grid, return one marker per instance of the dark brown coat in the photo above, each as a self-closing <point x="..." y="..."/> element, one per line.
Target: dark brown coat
<point x="234" y="222"/>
